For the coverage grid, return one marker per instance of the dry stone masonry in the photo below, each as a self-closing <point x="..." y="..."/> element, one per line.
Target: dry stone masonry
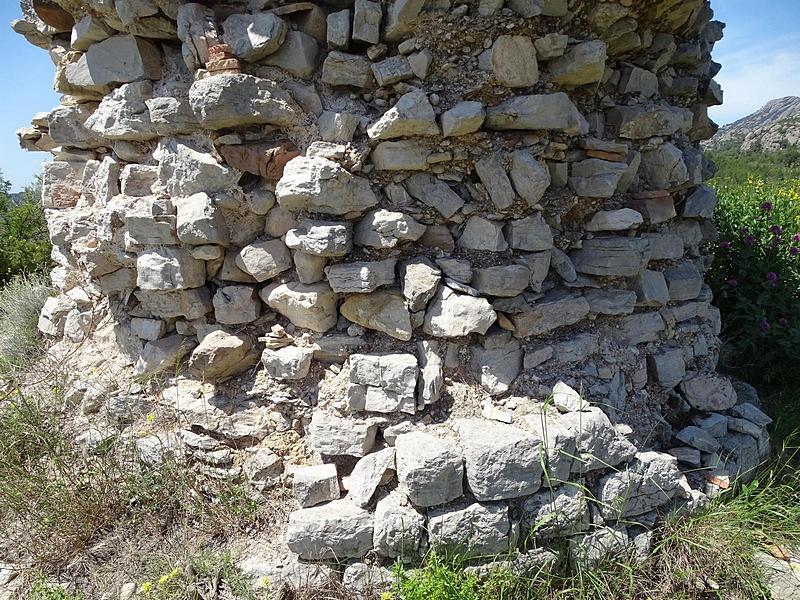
<point x="436" y="266"/>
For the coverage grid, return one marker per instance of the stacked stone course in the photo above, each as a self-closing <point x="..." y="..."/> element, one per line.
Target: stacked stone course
<point x="466" y="240"/>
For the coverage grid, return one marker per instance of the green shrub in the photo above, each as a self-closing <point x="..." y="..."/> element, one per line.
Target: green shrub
<point x="24" y="241"/>
<point x="756" y="277"/>
<point x="21" y="301"/>
<point x="44" y="590"/>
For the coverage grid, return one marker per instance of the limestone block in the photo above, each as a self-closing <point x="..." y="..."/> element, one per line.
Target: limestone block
<point x="252" y="37"/>
<point x="435" y="193"/>
<point x="476" y="529"/>
<point x="398" y="527"/>
<point x="315" y="484"/>
<point x="361" y="277"/>
<point x="383" y="383"/>
<point x="368" y="474"/>
<point x="335" y="530"/>
<point x="321" y="185"/>
<point x="430" y="469"/>
<point x="651" y="480"/>
<point x="169" y="269"/>
<point x="501" y="461"/>
<point x="335" y="436"/>
<point x="236" y="305"/>
<point x="320" y="238"/>
<point x="237" y="100"/>
<point x="221" y="355"/>
<point x="311" y="306"/>
<point x="411" y="115"/>
<point x="287" y="363"/>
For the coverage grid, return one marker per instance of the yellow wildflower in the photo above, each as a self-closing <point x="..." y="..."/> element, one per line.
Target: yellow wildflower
<point x="147" y="587"/>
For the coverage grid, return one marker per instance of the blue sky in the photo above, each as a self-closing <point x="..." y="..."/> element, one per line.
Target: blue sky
<point x="760" y="56"/>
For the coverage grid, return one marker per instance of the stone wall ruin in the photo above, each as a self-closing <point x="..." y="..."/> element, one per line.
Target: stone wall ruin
<point x="438" y="266"/>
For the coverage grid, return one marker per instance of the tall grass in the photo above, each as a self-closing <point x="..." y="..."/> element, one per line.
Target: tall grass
<point x="21" y="301"/>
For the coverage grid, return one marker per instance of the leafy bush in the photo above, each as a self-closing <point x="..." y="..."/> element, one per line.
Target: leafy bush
<point x="21" y="301"/>
<point x="756" y="276"/>
<point x="24" y="242"/>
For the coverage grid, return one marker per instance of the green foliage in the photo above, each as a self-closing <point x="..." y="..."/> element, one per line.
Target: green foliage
<point x="44" y="590"/>
<point x="24" y="242"/>
<point x="756" y="271"/>
<point x="21" y="301"/>
<point x="739" y="169"/>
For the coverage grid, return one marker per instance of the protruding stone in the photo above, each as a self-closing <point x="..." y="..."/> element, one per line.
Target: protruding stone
<point x="581" y="65"/>
<point x="383" y="311"/>
<point x="252" y="37"/>
<point x="310" y="306"/>
<point x="430" y="469"/>
<point x="361" y="277"/>
<point x="320" y="185"/>
<point x="549" y="111"/>
<point x="315" y="484"/>
<point x="455" y="315"/>
<point x="411" y="115"/>
<point x="435" y="193"/>
<point x="339" y="529"/>
<point x="464" y="118"/>
<point x="502" y="461"/>
<point x="477" y="529"/>
<point x="238" y="100"/>
<point x="264" y="260"/>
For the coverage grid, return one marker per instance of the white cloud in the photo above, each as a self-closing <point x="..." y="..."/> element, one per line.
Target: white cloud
<point x="752" y="76"/>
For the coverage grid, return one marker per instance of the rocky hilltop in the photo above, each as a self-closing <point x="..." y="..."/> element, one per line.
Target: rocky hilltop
<point x="437" y="268"/>
<point x="773" y="127"/>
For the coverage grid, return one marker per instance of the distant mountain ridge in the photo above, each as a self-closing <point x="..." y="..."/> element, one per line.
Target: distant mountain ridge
<point x="773" y="127"/>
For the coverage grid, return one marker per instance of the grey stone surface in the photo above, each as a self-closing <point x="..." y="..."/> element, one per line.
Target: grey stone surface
<point x="548" y="111"/>
<point x="483" y="234"/>
<point x="310" y="306"/>
<point x="398" y="527"/>
<point x="430" y="469"/>
<point x="361" y="277"/>
<point x="368" y="474"/>
<point x="502" y="461"/>
<point x="435" y="193"/>
<point x="708" y="391"/>
<point x="339" y="529"/>
<point x="411" y="115"/>
<point x="583" y="64"/>
<point x="383" y="383"/>
<point x="555" y="513"/>
<point x="475" y="529"/>
<point x="612" y="256"/>
<point x="454" y="315"/>
<point x="464" y="118"/>
<point x="320" y="238"/>
<point x="336" y="436"/>
<point x="321" y="185"/>
<point x="252" y="37"/>
<point x="237" y="99"/>
<point x="598" y="444"/>
<point x="493" y="175"/>
<point x="315" y="484"/>
<point x="651" y="480"/>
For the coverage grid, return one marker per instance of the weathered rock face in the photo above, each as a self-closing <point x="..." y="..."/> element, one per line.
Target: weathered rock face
<point x="473" y="276"/>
